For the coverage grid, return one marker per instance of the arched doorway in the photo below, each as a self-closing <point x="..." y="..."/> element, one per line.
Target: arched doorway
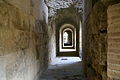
<point x="67" y="41"/>
<point x="67" y="38"/>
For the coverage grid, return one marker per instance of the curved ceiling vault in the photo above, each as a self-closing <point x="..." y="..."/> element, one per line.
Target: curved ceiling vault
<point x="55" y="5"/>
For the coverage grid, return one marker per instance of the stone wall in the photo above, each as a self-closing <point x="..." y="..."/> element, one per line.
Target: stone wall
<point x="55" y="5"/>
<point x="95" y="56"/>
<point x="94" y="41"/>
<point x="52" y="40"/>
<point x="113" y="54"/>
<point x="95" y="38"/>
<point x="23" y="39"/>
<point x="86" y="12"/>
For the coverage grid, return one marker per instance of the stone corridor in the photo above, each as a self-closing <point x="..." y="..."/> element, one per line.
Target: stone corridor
<point x="59" y="39"/>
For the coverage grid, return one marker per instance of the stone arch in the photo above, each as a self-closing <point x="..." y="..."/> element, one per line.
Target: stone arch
<point x="63" y="28"/>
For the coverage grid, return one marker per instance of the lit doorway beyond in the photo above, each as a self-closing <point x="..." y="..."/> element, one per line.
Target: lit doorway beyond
<point x="67" y="38"/>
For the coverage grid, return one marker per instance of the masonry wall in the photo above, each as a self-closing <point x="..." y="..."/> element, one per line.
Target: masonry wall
<point x="95" y="41"/>
<point x="52" y="41"/>
<point x="86" y="12"/>
<point x="113" y="53"/>
<point x="23" y="39"/>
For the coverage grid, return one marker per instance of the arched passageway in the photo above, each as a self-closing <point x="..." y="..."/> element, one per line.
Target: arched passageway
<point x="65" y="59"/>
<point x="59" y="39"/>
<point x="70" y="42"/>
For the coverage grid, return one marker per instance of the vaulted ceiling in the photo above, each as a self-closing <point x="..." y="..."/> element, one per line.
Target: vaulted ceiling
<point x="55" y="5"/>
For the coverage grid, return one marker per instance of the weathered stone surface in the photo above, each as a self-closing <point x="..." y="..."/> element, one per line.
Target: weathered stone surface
<point x="55" y="5"/>
<point x="24" y="36"/>
<point x="98" y="61"/>
<point x="113" y="54"/>
<point x="95" y="36"/>
<point x="52" y="41"/>
<point x="23" y="39"/>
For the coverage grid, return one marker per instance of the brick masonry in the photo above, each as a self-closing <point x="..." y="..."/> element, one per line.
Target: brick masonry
<point x="113" y="54"/>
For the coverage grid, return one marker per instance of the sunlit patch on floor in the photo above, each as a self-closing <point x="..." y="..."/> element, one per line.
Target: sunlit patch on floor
<point x="65" y="68"/>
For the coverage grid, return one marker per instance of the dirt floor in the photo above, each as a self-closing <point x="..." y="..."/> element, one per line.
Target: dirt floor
<point x="64" y="68"/>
